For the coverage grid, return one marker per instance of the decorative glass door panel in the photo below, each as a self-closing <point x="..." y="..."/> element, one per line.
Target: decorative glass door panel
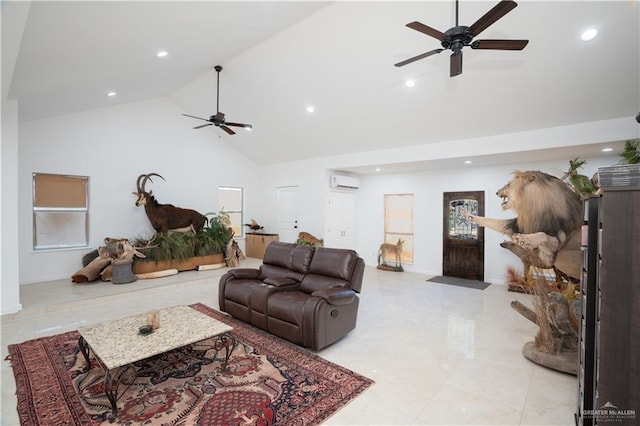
<point x="462" y="242"/>
<point x="459" y="227"/>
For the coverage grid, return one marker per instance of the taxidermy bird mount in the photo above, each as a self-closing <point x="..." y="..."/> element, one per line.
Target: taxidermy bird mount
<point x="460" y="36"/>
<point x="254" y="225"/>
<point x="218" y="119"/>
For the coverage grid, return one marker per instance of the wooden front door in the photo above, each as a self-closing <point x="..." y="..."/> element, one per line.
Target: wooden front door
<point x="463" y="242"/>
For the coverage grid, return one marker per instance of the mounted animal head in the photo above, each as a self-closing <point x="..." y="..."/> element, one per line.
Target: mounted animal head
<point x="142" y="194"/>
<point x="542" y="202"/>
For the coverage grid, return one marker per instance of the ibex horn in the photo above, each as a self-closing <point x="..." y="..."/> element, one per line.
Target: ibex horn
<point x="148" y="177"/>
<point x="138" y="183"/>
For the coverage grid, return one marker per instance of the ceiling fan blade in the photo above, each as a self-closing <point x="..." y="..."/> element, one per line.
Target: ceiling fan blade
<point x="456" y="64"/>
<point x="499" y="44"/>
<point x="416" y="58"/>
<point x="498" y="11"/>
<point x="193" y="116"/>
<point x="418" y="26"/>
<point x="203" y="125"/>
<point x="226" y="129"/>
<point x="239" y="125"/>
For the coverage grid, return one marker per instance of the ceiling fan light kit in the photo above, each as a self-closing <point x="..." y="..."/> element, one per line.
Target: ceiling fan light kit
<point x="218" y="119"/>
<point x="460" y="36"/>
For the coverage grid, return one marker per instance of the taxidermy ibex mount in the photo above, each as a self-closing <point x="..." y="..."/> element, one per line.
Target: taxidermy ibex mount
<point x="166" y="217"/>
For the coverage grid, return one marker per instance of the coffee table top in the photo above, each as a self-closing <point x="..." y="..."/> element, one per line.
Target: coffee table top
<point x="118" y="342"/>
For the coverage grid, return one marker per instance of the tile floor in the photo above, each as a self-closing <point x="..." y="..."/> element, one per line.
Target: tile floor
<point x="439" y="354"/>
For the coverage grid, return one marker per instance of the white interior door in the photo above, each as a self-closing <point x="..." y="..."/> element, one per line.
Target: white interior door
<point x="287" y="200"/>
<point x="341" y="220"/>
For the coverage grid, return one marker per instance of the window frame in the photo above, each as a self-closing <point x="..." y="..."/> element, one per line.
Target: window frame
<point x="405" y="231"/>
<point x="222" y="209"/>
<point x="46" y="204"/>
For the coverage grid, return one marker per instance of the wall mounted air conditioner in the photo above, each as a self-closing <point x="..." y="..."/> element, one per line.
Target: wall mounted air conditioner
<point x="345" y="182"/>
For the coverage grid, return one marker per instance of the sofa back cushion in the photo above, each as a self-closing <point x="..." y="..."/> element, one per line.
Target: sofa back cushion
<point x="336" y="263"/>
<point x="301" y="258"/>
<point x="278" y="254"/>
<point x="329" y="268"/>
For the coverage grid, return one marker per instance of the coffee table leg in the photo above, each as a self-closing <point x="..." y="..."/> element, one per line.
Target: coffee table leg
<point x="111" y="392"/>
<point x="84" y="348"/>
<point x="113" y="379"/>
<point x="227" y="342"/>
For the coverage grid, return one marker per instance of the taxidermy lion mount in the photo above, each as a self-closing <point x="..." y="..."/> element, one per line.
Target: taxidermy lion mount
<point x="546" y="232"/>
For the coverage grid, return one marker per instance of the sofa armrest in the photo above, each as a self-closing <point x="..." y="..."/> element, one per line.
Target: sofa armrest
<point x="280" y="281"/>
<point x="244" y="273"/>
<point x="336" y="295"/>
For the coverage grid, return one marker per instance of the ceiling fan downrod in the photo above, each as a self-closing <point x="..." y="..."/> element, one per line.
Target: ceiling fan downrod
<point x="218" y="68"/>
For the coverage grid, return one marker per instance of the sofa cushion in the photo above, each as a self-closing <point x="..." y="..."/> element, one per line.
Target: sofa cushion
<point x="287" y="306"/>
<point x="336" y="263"/>
<point x="278" y="254"/>
<point x="301" y="258"/>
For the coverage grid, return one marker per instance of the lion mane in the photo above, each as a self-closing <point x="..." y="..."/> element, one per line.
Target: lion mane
<point x="546" y="230"/>
<point x="543" y="203"/>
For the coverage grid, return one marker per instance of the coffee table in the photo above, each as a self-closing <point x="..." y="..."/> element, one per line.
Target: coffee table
<point x="117" y="344"/>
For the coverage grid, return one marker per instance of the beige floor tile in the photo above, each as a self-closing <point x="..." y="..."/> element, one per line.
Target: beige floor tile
<point x="439" y="354"/>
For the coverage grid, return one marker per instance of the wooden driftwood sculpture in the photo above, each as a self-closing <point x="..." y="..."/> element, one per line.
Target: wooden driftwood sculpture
<point x="92" y="270"/>
<point x="555" y="344"/>
<point x="99" y="263"/>
<point x="233" y="254"/>
<point x="310" y="240"/>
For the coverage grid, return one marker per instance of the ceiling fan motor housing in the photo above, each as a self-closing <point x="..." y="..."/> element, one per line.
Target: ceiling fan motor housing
<point x="457" y="38"/>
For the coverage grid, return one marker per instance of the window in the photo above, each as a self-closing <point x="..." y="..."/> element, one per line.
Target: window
<point x="60" y="211"/>
<point x="230" y="201"/>
<point x="398" y="223"/>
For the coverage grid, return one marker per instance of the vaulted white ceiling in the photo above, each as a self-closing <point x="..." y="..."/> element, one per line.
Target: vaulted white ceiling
<point x="280" y="57"/>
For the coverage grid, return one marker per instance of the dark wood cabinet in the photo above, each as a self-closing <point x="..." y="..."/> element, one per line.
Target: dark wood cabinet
<point x="609" y="371"/>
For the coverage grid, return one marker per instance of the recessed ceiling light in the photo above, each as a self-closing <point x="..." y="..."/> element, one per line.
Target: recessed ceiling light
<point x="468" y="162"/>
<point x="589" y="34"/>
<point x="310" y="109"/>
<point x="410" y="83"/>
<point x="162" y="53"/>
<point x="111" y="94"/>
<point x="607" y="149"/>
<point x="378" y="169"/>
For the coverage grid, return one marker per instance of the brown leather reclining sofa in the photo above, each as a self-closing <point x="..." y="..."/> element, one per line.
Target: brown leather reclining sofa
<point x="303" y="294"/>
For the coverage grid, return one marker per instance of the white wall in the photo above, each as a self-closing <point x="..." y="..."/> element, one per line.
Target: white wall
<point x="312" y="181"/>
<point x="13" y="16"/>
<point x="9" y="277"/>
<point x="428" y="188"/>
<point x="113" y="146"/>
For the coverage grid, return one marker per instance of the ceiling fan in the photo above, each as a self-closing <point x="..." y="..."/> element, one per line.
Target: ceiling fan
<point x="460" y="36"/>
<point x="218" y="119"/>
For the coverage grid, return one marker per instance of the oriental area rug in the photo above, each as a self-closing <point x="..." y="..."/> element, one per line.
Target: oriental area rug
<point x="268" y="381"/>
